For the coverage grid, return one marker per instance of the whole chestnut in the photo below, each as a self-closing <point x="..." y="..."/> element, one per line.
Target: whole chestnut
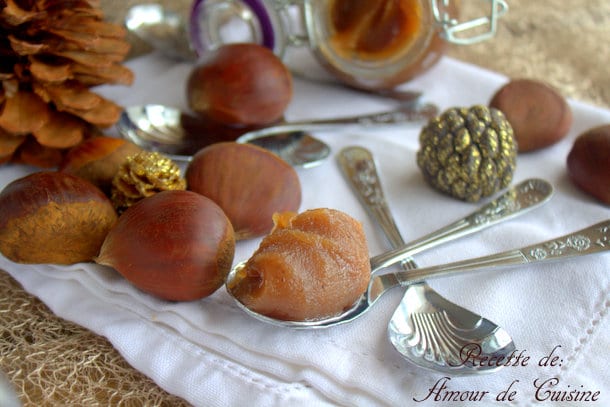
<point x="53" y="217"/>
<point x="176" y="245"/>
<point x="539" y="115"/>
<point x="248" y="182"/>
<point x="98" y="159"/>
<point x="589" y="162"/>
<point x="240" y="85"/>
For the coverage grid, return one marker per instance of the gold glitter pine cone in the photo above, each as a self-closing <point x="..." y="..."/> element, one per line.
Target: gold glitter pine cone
<point x="143" y="175"/>
<point x="52" y="52"/>
<point x="468" y="153"/>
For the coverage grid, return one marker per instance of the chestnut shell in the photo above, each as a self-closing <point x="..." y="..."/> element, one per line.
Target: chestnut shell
<point x="589" y="162"/>
<point x="53" y="217"/>
<point x="176" y="245"/>
<point x="248" y="182"/>
<point x="98" y="159"/>
<point x="539" y="115"/>
<point x="240" y="85"/>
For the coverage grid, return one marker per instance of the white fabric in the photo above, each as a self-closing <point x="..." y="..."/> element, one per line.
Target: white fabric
<point x="212" y="354"/>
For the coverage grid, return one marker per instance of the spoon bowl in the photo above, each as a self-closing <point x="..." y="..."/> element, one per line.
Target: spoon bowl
<point x="435" y="333"/>
<point x="515" y="201"/>
<point x="297" y="148"/>
<point x="180" y="135"/>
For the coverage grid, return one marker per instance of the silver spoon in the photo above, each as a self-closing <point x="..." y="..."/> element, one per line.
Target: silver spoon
<point x="180" y="135"/>
<point x="515" y="201"/>
<point x="591" y="240"/>
<point x="420" y="301"/>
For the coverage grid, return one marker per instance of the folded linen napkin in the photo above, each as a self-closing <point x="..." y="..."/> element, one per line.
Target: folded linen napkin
<point x="212" y="354"/>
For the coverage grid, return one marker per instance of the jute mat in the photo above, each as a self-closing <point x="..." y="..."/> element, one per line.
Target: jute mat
<point x="53" y="362"/>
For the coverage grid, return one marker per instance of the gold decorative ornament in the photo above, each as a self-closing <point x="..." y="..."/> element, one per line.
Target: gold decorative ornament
<point x="468" y="153"/>
<point x="143" y="175"/>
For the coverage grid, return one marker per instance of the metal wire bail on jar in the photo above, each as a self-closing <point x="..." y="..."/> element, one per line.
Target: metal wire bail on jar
<point x="451" y="28"/>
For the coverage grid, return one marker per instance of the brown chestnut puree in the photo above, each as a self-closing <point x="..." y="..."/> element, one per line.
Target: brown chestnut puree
<point x="374" y="30"/>
<point x="311" y="266"/>
<point x="384" y="31"/>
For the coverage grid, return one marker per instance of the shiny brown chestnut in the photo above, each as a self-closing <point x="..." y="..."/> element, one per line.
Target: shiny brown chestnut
<point x="175" y="245"/>
<point x="589" y="162"/>
<point x="248" y="182"/>
<point x="240" y="85"/>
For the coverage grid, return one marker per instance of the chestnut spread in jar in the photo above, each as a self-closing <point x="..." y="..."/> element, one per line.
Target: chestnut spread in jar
<point x="375" y="44"/>
<point x="374" y="30"/>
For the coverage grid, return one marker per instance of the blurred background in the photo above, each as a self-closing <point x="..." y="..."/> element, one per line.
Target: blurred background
<point x="565" y="42"/>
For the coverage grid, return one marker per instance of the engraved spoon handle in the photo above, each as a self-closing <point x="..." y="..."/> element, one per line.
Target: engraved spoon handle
<point x="517" y="200"/>
<point x="358" y="167"/>
<point x="403" y="114"/>
<point x="593" y="239"/>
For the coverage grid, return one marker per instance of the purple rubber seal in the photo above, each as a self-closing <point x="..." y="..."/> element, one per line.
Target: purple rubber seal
<point x="257" y="7"/>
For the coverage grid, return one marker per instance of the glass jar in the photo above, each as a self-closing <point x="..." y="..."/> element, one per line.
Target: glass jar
<point x="366" y="44"/>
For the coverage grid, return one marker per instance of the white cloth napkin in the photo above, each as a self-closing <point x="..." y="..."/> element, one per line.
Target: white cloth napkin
<point x="212" y="354"/>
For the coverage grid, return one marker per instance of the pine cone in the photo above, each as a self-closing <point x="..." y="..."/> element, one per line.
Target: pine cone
<point x="468" y="153"/>
<point x="51" y="53"/>
<point x="143" y="175"/>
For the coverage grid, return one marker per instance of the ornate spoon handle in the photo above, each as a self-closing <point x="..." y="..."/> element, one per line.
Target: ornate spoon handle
<point x="518" y="199"/>
<point x="404" y="114"/>
<point x="594" y="239"/>
<point x="358" y="166"/>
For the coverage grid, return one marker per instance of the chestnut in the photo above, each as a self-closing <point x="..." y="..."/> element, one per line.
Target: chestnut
<point x="539" y="115"/>
<point x="98" y="159"/>
<point x="248" y="182"/>
<point x="589" y="162"/>
<point x="240" y="85"/>
<point x="176" y="245"/>
<point x="53" y="217"/>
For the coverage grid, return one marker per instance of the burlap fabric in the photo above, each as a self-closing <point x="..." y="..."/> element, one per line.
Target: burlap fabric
<point x="53" y="362"/>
